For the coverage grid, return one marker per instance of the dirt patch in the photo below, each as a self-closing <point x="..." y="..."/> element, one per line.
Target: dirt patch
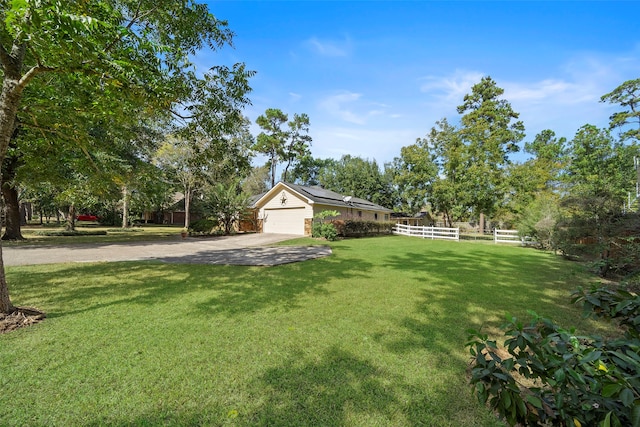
<point x="23" y="316"/>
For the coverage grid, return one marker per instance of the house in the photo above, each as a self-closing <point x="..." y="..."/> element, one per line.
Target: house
<point x="419" y="219"/>
<point x="175" y="213"/>
<point x="290" y="208"/>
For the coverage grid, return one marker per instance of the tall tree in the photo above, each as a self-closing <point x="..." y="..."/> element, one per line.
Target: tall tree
<point x="257" y="181"/>
<point x="548" y="158"/>
<point x="271" y="140"/>
<point x="298" y="142"/>
<point x="129" y="48"/>
<point x="357" y="177"/>
<point x="415" y="172"/>
<point x="627" y="95"/>
<point x="308" y="169"/>
<point x="539" y="176"/>
<point x="598" y="176"/>
<point x="491" y="131"/>
<point x="290" y="145"/>
<point x="450" y="194"/>
<point x="182" y="163"/>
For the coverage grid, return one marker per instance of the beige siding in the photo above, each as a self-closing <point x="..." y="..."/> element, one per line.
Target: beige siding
<point x="351" y="213"/>
<point x="293" y="201"/>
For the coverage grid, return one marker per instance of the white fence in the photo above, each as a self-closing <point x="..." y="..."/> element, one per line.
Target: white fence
<point x="428" y="232"/>
<point x="506" y="236"/>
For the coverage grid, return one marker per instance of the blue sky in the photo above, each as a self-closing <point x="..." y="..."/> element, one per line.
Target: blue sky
<point x="375" y="75"/>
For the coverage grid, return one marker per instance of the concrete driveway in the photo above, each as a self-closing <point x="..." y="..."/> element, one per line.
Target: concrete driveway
<point x="243" y="249"/>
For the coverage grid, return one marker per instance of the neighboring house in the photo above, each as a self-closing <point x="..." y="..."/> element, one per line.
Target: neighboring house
<point x="419" y="219"/>
<point x="289" y="208"/>
<point x="173" y="214"/>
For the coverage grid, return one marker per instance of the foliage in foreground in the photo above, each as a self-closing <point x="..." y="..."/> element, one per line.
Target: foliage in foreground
<point x="548" y="375"/>
<point x="323" y="229"/>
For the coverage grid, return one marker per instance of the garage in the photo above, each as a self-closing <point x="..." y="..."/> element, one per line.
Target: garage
<point x="284" y="221"/>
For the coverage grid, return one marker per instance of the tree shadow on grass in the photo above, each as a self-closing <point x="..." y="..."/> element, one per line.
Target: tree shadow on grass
<point x="461" y="291"/>
<point x="65" y="289"/>
<point x="341" y="388"/>
<point x="328" y="392"/>
<point x="280" y="287"/>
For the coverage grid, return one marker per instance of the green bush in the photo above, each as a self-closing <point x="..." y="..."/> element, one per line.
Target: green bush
<point x="357" y="228"/>
<point x="203" y="226"/>
<point x="324" y="230"/>
<point x="545" y="375"/>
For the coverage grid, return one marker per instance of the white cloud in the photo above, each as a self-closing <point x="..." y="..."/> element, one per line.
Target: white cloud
<point x="294" y="96"/>
<point x="571" y="99"/>
<point x="335" y="106"/>
<point x="348" y="106"/>
<point x="451" y="90"/>
<point x="341" y="48"/>
<point x="543" y="90"/>
<point x="563" y="100"/>
<point x="381" y="144"/>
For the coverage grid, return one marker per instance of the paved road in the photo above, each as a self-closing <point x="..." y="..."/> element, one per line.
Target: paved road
<point x="245" y="249"/>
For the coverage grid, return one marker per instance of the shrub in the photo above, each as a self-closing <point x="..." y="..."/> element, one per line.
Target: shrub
<point x="357" y="228"/>
<point x="202" y="226"/>
<point x="324" y="229"/>
<point x="548" y="375"/>
<point x="610" y="247"/>
<point x="539" y="219"/>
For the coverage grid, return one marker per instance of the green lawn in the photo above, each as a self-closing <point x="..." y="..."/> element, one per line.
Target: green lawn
<point x="371" y="336"/>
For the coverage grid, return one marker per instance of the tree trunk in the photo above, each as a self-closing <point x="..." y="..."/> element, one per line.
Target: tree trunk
<point x="273" y="172"/>
<point x="25" y="213"/>
<point x="481" y="223"/>
<point x="125" y="207"/>
<point x="187" y="206"/>
<point x="12" y="213"/>
<point x="286" y="171"/>
<point x="5" y="301"/>
<point x="10" y="98"/>
<point x="71" y="219"/>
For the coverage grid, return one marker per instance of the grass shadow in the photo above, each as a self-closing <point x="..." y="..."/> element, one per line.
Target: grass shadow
<point x="338" y="389"/>
<point x="476" y="287"/>
<point x="65" y="289"/>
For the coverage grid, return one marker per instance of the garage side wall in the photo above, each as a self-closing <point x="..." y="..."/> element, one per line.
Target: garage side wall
<point x="352" y="213"/>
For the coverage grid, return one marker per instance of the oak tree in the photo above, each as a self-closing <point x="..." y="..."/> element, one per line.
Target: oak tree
<point x="131" y="48"/>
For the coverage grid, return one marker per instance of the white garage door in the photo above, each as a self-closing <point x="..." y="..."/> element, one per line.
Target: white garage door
<point x="284" y="221"/>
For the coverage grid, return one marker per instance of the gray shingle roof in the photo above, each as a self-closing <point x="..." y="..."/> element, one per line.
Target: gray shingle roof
<point x="331" y="198"/>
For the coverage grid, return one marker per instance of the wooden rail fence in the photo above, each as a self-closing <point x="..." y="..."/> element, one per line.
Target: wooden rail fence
<point x="427" y="232"/>
<point x="506" y="236"/>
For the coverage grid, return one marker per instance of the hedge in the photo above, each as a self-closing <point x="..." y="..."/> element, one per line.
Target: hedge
<point x="360" y="228"/>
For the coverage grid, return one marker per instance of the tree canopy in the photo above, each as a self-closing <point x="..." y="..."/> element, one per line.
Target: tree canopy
<point x="133" y="55"/>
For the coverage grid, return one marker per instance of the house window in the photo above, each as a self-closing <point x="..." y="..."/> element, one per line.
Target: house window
<point x="386" y="217"/>
<point x="375" y="216"/>
<point x="359" y="214"/>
